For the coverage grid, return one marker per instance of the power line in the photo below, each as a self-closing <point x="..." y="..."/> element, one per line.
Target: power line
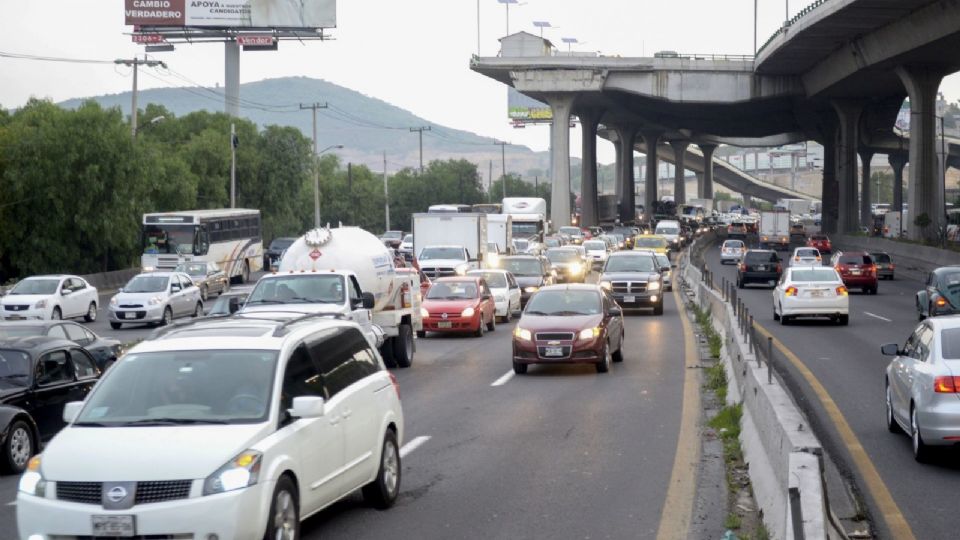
<point x="21" y="56"/>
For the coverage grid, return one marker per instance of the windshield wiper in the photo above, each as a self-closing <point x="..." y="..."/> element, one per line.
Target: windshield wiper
<point x="264" y="301"/>
<point x="91" y="424"/>
<point x="537" y="313"/>
<point x="170" y="422"/>
<point x="568" y="312"/>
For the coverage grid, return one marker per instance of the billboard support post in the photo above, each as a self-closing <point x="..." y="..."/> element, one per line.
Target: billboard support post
<point x="231" y="78"/>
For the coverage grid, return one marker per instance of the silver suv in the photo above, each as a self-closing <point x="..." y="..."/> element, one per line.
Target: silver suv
<point x="155" y="297"/>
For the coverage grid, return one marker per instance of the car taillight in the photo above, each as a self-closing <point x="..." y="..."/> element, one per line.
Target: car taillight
<point x="396" y="385"/>
<point x="946" y="385"/>
<point x="842" y="291"/>
<point x="941" y="301"/>
<point x="742" y="267"/>
<point x="892" y="266"/>
<point x="779" y="268"/>
<point x="791" y="291"/>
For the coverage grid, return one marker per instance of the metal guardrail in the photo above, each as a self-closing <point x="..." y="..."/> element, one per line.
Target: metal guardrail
<point x="793" y="20"/>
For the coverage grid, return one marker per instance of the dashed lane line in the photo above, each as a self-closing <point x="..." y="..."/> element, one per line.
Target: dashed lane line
<point x="415" y="443"/>
<point x="503" y="380"/>
<point x="875" y="316"/>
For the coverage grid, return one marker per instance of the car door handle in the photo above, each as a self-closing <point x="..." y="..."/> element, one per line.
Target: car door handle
<point x="334" y="420"/>
<point x="346" y="414"/>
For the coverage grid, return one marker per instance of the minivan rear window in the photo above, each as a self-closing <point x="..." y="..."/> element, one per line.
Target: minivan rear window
<point x="761" y="256"/>
<point x="881" y="257"/>
<point x="855" y="259"/>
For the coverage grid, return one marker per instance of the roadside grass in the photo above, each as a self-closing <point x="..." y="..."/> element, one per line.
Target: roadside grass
<point x="714" y="341"/>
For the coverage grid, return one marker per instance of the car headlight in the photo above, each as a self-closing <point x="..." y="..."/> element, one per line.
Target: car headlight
<point x="238" y="473"/>
<point x="462" y="270"/>
<point x="113" y="301"/>
<point x="522" y="334"/>
<point x="606" y="285"/>
<point x="424" y="313"/>
<point x="576" y="268"/>
<point x="589" y="333"/>
<point x="468" y="312"/>
<point x="32" y="481"/>
<point x="653" y="286"/>
<point x="155" y="300"/>
<point x="532" y="289"/>
<point x="675" y="240"/>
<point x="41" y="304"/>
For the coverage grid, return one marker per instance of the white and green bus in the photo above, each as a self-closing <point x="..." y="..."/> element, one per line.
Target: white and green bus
<point x="230" y="237"/>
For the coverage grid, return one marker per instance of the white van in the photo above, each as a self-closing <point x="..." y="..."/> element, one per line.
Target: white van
<point x="237" y="428"/>
<point x="670" y="230"/>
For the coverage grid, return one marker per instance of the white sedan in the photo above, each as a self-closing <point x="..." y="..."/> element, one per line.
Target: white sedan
<point x="50" y="297"/>
<point x="596" y="252"/>
<point x="811" y="291"/>
<point x="922" y="388"/>
<point x="505" y="289"/>
<point x="806" y="256"/>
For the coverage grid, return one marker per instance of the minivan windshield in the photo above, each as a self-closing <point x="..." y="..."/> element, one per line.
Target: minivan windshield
<point x="36" y="286"/>
<point x="183" y="387"/>
<point x="146" y="284"/>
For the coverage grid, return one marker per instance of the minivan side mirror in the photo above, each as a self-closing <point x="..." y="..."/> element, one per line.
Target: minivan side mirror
<point x="71" y="410"/>
<point x="890" y="349"/>
<point x="307" y="407"/>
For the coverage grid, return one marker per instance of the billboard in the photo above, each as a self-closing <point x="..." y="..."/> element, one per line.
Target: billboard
<point x="232" y="13"/>
<point x="526" y="109"/>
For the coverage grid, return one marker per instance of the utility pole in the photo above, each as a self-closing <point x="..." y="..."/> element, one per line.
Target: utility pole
<point x="490" y="181"/>
<point x="316" y="164"/>
<point x="419" y="131"/>
<point x="503" y="165"/>
<point x="386" y="192"/>
<point x="233" y="165"/>
<point x="133" y="107"/>
<point x="350" y="204"/>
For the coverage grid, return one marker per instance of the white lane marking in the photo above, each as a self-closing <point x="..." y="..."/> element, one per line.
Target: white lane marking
<point x="867" y="313"/>
<point x="413" y="445"/>
<point x="503" y="380"/>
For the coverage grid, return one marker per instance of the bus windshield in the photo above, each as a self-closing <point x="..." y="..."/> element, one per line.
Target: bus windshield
<point x="168" y="239"/>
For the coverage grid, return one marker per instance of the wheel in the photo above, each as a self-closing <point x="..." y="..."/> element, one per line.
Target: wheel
<point x="603" y="365"/>
<point x="618" y="354"/>
<point x="283" y="522"/>
<point x="403" y="346"/>
<point x="658" y="309"/>
<point x="167" y="316"/>
<point x="784" y="320"/>
<point x="519" y="368"/>
<point x="874" y="290"/>
<point x="57" y="314"/>
<point x="203" y="293"/>
<point x="921" y="452"/>
<point x="421" y="334"/>
<point x="776" y="316"/>
<point x="18" y="448"/>
<point x="383" y="491"/>
<point x="115" y="325"/>
<point x="892" y="425"/>
<point x="492" y="325"/>
<point x="198" y="310"/>
<point x="479" y="331"/>
<point x="91" y="312"/>
<point x="844" y="320"/>
<point x="246" y="272"/>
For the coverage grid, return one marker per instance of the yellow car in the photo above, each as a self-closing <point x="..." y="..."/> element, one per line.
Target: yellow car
<point x="652" y="242"/>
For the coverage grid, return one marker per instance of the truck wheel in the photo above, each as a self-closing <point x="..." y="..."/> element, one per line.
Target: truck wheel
<point x="403" y="347"/>
<point x="386" y="351"/>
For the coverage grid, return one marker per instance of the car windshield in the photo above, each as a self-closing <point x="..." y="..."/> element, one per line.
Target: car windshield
<point x="649" y="242"/>
<point x="815" y="275"/>
<point x="36" y="286"/>
<point x="668" y="230"/>
<point x="495" y="280"/>
<point x="595" y="245"/>
<point x="552" y="242"/>
<point x="522" y="267"/>
<point x="146" y="284"/>
<point x="304" y="289"/>
<point x="279" y="244"/>
<point x="183" y="387"/>
<point x="452" y="290"/>
<point x="221" y="306"/>
<point x="14" y="368"/>
<point x="194" y="269"/>
<point x="571" y="231"/>
<point x="950" y="343"/>
<point x="662" y="260"/>
<point x="631" y="263"/>
<point x="437" y="253"/>
<point x="10" y="331"/>
<point x="562" y="255"/>
<point x="408" y="239"/>
<point x="564" y="302"/>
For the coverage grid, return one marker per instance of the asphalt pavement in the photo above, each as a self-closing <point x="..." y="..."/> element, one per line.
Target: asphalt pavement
<point x="560" y="452"/>
<point x="848" y="364"/>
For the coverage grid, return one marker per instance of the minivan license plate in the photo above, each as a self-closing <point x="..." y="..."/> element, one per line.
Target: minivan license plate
<point x="116" y="526"/>
<point x="553" y="351"/>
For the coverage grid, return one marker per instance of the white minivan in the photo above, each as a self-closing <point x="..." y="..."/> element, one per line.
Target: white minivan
<point x="229" y="429"/>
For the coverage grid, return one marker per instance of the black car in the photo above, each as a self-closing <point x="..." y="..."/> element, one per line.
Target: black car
<point x="759" y="266"/>
<point x="104" y="350"/>
<point x="38" y="376"/>
<point x="271" y="255"/>
<point x="941" y="293"/>
<point x="532" y="273"/>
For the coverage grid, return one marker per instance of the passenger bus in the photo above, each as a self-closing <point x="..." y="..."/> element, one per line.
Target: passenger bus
<point x="230" y="238"/>
<point x="450" y="209"/>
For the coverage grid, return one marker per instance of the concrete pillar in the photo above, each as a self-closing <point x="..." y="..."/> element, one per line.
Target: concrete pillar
<point x="588" y="175"/>
<point x="231" y="78"/>
<point x="707" y="150"/>
<point x="679" y="174"/>
<point x="848" y="112"/>
<point x="830" y="193"/>
<point x="747" y="200"/>
<point x="925" y="192"/>
<point x="897" y="163"/>
<point x="699" y="185"/>
<point x="618" y="168"/>
<point x="626" y="136"/>
<point x="650" y="140"/>
<point x="561" y="105"/>
<point x="866" y="216"/>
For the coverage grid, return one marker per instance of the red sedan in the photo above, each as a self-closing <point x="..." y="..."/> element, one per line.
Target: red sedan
<point x="569" y="324"/>
<point x="821" y="242"/>
<point x="458" y="304"/>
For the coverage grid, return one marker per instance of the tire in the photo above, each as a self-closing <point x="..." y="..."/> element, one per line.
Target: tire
<point x="519" y="368"/>
<point x="18" y="447"/>
<point x="403" y="346"/>
<point x="874" y="290"/>
<point x="198" y="310"/>
<point x="603" y="366"/>
<point x="658" y="309"/>
<point x="479" y="331"/>
<point x="784" y="320"/>
<point x="91" y="313"/>
<point x="776" y="316"/>
<point x="283" y="521"/>
<point x="844" y="320"/>
<point x="386" y="351"/>
<point x="921" y="452"/>
<point x="618" y="354"/>
<point x="203" y="293"/>
<point x="56" y="315"/>
<point x="167" y="316"/>
<point x="246" y="272"/>
<point x="421" y="334"/>
<point x="115" y="325"/>
<point x="383" y="491"/>
<point x="892" y="425"/>
<point x="492" y="325"/>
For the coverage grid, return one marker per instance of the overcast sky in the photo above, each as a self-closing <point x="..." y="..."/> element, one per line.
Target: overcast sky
<point x="414" y="54"/>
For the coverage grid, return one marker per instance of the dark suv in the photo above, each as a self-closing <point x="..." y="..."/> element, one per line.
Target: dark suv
<point x="532" y="273"/>
<point x="759" y="266"/>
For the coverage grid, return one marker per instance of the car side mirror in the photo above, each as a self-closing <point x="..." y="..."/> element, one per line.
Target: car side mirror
<point x="175" y="288"/>
<point x="234" y="304"/>
<point x="890" y="349"/>
<point x="366" y="300"/>
<point x="615" y="311"/>
<point x="307" y="407"/>
<point x="65" y="292"/>
<point x="71" y="410"/>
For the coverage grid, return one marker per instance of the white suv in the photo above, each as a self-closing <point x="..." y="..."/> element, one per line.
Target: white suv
<point x="236" y="429"/>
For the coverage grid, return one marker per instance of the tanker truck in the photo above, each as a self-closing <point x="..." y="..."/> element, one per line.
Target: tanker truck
<point x="346" y="272"/>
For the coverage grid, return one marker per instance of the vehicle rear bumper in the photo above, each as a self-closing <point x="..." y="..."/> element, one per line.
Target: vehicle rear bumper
<point x="859" y="281"/>
<point x="827" y="307"/>
<point x="759" y="277"/>
<point x="939" y="422"/>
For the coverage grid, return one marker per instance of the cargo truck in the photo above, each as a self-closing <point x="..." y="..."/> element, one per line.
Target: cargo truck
<point x="529" y="217"/>
<point x="438" y="233"/>
<point x="774" y="230"/>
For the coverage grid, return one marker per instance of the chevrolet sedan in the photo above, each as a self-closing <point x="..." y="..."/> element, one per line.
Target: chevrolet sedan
<point x="569" y="324"/>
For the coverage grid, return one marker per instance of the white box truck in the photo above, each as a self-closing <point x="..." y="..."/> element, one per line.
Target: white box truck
<point x="500" y="231"/>
<point x="774" y="229"/>
<point x="436" y="233"/>
<point x="529" y="217"/>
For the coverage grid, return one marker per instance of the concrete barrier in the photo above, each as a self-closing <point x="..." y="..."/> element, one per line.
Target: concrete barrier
<point x="778" y="443"/>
